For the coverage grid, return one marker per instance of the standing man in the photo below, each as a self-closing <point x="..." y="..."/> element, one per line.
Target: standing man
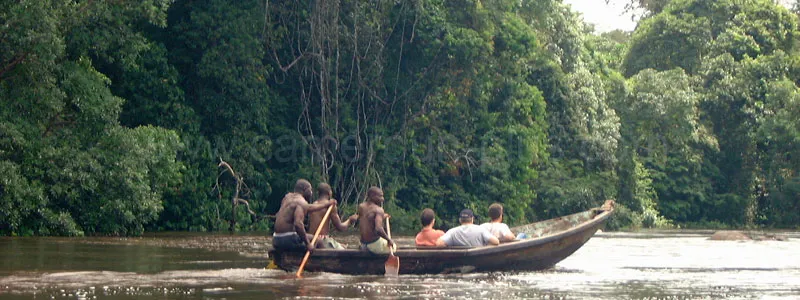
<point x="290" y="232"/>
<point x="324" y="193"/>
<point x="468" y="234"/>
<point x="370" y="223"/>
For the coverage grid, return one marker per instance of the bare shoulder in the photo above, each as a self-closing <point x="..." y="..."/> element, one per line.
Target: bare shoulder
<point x="286" y="198"/>
<point x="299" y="199"/>
<point x="294" y="199"/>
<point x="291" y="196"/>
<point x="372" y="211"/>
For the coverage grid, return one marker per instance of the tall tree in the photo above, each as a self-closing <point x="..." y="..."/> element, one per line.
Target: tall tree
<point x="746" y="101"/>
<point x="733" y="48"/>
<point x="662" y="134"/>
<point x="73" y="166"/>
<point x="217" y="47"/>
<point x="689" y="31"/>
<point x="409" y="95"/>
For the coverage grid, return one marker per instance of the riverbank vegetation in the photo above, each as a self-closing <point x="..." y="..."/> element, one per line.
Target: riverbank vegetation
<point x="115" y="115"/>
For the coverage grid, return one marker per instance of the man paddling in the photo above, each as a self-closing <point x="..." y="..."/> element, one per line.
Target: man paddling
<point x="290" y="232"/>
<point x="324" y="193"/>
<point x="370" y="223"/>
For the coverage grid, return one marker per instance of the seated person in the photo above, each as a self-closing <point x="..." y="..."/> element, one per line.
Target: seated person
<point x="608" y="205"/>
<point x="428" y="235"/>
<point x="496" y="225"/>
<point x="324" y="241"/>
<point x="468" y="234"/>
<point x="290" y="232"/>
<point x="370" y="223"/>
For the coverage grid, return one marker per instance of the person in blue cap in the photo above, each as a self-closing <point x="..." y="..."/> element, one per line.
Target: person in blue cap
<point x="468" y="234"/>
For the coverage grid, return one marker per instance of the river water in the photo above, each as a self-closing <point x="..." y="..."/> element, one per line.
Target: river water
<point x="614" y="265"/>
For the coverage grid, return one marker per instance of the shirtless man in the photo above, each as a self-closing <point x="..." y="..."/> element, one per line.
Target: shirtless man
<point x="370" y="223"/>
<point x="324" y="193"/>
<point x="290" y="232"/>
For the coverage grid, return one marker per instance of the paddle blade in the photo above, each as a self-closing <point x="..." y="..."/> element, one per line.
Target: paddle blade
<point x="392" y="266"/>
<point x="272" y="265"/>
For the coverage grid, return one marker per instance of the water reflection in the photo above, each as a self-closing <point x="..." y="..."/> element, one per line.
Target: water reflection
<point x="652" y="265"/>
<point x="88" y="254"/>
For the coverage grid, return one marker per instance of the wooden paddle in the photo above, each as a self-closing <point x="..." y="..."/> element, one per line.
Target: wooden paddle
<point x="392" y="264"/>
<point x="313" y="242"/>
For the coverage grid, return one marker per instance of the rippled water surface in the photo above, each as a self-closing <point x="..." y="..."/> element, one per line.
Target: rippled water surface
<point x="650" y="265"/>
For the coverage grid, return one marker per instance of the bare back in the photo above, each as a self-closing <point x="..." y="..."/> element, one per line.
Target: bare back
<point x="315" y="218"/>
<point x="367" y="213"/>
<point x="285" y="218"/>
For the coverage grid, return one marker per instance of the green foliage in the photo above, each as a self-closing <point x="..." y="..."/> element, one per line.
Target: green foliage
<point x="20" y="201"/>
<point x="115" y="114"/>
<point x="735" y="50"/>
<point x="646" y="196"/>
<point x="622" y="219"/>
<point x="83" y="172"/>
<point x="689" y="31"/>
<point x="778" y="135"/>
<point x="661" y="129"/>
<point x="644" y="8"/>
<point x="460" y="133"/>
<point x="746" y="99"/>
<point x="210" y="82"/>
<point x="148" y="170"/>
<point x="566" y="187"/>
<point x="607" y="51"/>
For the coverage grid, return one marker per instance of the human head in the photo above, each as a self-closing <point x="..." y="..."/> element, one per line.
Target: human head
<point x="427" y="217"/>
<point x="466" y="216"/>
<point x="324" y="190"/>
<point x="496" y="212"/>
<point x="303" y="187"/>
<point x="375" y="194"/>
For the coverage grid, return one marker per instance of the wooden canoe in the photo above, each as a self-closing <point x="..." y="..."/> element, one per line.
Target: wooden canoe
<point x="549" y="242"/>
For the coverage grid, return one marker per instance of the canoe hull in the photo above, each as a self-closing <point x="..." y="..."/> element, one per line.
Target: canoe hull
<point x="531" y="254"/>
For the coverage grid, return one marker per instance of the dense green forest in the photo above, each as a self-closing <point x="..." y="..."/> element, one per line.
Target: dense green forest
<point x="116" y="115"/>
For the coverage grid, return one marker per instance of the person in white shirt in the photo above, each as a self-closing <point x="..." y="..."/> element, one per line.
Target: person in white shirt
<point x="496" y="225"/>
<point x="468" y="234"/>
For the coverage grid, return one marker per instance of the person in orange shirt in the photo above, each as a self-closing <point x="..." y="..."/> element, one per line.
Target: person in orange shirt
<point x="428" y="235"/>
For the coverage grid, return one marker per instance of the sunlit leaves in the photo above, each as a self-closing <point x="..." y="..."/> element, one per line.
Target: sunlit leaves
<point x="660" y="131"/>
<point x="597" y="124"/>
<point x="750" y="103"/>
<point x="735" y="51"/>
<point x="688" y="31"/>
<point x="667" y="41"/>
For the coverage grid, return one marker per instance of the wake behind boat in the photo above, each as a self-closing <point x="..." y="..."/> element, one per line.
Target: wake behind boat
<point x="549" y="242"/>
